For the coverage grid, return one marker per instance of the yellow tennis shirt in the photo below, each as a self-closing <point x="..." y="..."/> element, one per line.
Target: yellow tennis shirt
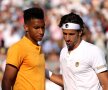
<point x="28" y="58"/>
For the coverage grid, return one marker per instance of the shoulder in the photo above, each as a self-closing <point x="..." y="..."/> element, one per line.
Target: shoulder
<point x="93" y="49"/>
<point x="16" y="46"/>
<point x="91" y="46"/>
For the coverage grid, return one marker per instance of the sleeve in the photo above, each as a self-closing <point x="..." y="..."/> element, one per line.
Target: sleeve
<point x="14" y="56"/>
<point x="98" y="61"/>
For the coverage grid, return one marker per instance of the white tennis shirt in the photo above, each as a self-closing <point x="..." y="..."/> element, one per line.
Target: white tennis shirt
<point x="79" y="68"/>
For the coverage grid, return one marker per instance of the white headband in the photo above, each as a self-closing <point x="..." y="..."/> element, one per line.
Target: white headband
<point x="71" y="26"/>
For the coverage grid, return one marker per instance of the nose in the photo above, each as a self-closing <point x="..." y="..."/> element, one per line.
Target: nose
<point x="67" y="37"/>
<point x="41" y="30"/>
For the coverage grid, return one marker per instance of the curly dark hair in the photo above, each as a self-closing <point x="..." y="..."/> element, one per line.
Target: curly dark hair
<point x="72" y="18"/>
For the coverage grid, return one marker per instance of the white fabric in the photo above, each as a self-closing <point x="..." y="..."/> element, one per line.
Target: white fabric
<point x="79" y="68"/>
<point x="52" y="86"/>
<point x="50" y="73"/>
<point x="71" y="26"/>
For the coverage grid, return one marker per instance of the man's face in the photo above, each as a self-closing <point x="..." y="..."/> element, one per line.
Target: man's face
<point x="35" y="28"/>
<point x="71" y="37"/>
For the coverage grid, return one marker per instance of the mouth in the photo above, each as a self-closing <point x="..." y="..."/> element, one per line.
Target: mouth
<point x="68" y="43"/>
<point x="40" y="37"/>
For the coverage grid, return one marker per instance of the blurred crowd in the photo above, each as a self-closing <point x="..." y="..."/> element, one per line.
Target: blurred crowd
<point x="93" y="12"/>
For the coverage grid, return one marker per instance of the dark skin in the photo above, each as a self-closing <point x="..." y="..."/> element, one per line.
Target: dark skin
<point x="35" y="30"/>
<point x="9" y="77"/>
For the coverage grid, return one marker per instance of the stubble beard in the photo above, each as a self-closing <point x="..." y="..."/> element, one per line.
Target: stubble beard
<point x="70" y="47"/>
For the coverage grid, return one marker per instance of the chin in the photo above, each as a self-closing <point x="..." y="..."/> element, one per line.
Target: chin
<point x="40" y="40"/>
<point x="70" y="46"/>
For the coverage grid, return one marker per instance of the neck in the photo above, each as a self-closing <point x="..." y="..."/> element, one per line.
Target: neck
<point x="75" y="45"/>
<point x="33" y="41"/>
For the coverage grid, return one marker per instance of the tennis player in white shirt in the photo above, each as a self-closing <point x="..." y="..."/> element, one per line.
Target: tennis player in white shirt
<point x="82" y="64"/>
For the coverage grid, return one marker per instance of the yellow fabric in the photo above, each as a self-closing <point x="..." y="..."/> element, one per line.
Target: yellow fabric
<point x="28" y="58"/>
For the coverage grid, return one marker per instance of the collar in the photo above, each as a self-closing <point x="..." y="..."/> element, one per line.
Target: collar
<point x="29" y="42"/>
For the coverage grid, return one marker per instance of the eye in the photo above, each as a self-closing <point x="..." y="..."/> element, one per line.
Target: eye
<point x="36" y="27"/>
<point x="71" y="33"/>
<point x="64" y="33"/>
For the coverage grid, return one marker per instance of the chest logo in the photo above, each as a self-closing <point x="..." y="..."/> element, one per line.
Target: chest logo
<point x="77" y="64"/>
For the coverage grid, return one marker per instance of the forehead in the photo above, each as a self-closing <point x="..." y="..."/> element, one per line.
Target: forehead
<point x="69" y="31"/>
<point x="37" y="22"/>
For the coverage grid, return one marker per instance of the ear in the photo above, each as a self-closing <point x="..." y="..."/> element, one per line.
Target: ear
<point x="80" y="33"/>
<point x="25" y="27"/>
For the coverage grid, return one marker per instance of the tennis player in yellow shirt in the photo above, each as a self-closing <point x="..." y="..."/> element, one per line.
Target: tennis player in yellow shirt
<point x="25" y="63"/>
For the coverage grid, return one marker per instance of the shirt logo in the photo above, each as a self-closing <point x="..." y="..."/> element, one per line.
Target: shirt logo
<point x="77" y="64"/>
